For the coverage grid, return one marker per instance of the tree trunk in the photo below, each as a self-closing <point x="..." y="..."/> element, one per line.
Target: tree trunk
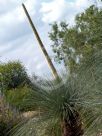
<point x="72" y="127"/>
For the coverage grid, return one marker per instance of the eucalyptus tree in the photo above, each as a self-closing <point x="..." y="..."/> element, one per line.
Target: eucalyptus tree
<point x="73" y="44"/>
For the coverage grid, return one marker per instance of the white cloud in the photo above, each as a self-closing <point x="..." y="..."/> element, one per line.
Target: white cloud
<point x="62" y="9"/>
<point x="8" y="5"/>
<point x="53" y="10"/>
<point x="28" y="52"/>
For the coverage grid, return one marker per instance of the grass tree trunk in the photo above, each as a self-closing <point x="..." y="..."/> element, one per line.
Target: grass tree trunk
<point x="72" y="127"/>
<point x="50" y="64"/>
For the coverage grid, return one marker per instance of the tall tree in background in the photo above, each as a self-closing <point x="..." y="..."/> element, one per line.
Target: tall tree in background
<point x="74" y="44"/>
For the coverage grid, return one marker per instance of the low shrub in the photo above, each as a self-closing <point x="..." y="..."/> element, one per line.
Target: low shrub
<point x="8" y="117"/>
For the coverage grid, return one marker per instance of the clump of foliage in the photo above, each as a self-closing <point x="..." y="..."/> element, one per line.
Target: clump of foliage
<point x="15" y="97"/>
<point x="12" y="75"/>
<point x="74" y="44"/>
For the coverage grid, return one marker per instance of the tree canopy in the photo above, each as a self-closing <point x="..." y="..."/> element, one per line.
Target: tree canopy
<point x="74" y="44"/>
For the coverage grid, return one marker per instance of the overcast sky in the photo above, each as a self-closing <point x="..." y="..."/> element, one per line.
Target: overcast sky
<point x="17" y="41"/>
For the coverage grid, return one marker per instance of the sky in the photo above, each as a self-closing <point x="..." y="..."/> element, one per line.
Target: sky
<point x="17" y="41"/>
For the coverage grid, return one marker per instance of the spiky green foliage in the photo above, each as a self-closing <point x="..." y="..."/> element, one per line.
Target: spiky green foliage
<point x="81" y="93"/>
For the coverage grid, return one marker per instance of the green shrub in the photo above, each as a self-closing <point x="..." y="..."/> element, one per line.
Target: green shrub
<point x="15" y="97"/>
<point x="12" y="75"/>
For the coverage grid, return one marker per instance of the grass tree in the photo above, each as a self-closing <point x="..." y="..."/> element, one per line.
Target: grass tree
<point x="72" y="109"/>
